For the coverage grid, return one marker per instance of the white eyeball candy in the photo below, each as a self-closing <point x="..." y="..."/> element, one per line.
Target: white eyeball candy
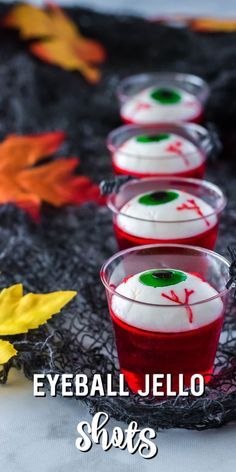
<point x="172" y="288"/>
<point x="165" y="215"/>
<point x="161" y="104"/>
<point x="162" y="153"/>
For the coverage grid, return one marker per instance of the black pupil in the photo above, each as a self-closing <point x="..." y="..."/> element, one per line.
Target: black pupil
<point x="166" y="93"/>
<point x="158" y="196"/>
<point x="167" y="274"/>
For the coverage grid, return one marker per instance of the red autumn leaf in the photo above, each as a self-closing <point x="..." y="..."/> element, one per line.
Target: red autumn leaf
<point x="55" y="184"/>
<point x="52" y="182"/>
<point x="57" y="39"/>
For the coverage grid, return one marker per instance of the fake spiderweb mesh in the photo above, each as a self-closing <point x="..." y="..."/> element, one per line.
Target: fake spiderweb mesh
<point x="68" y="248"/>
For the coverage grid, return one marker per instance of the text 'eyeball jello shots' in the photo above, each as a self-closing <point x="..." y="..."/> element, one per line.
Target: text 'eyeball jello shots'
<point x="162" y="97"/>
<point x="167" y="305"/>
<point x="165" y="149"/>
<point x="166" y="210"/>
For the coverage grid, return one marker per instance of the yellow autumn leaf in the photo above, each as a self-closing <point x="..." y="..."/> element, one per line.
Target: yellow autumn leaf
<point x="60" y="22"/>
<point x="7" y="351"/>
<point x="19" y="313"/>
<point x="36" y="22"/>
<point x="58" y="52"/>
<point x="57" y="39"/>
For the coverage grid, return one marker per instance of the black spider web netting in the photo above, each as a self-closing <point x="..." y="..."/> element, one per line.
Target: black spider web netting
<point x="67" y="249"/>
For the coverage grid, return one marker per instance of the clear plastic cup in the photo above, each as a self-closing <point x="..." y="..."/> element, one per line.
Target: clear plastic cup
<point x="162" y="97"/>
<point x="201" y="230"/>
<point x="175" y="156"/>
<point x="149" y="351"/>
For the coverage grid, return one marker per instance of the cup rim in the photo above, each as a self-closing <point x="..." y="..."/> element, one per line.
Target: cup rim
<point x="161" y="127"/>
<point x="150" y="246"/>
<point x="203" y="183"/>
<point x="177" y="76"/>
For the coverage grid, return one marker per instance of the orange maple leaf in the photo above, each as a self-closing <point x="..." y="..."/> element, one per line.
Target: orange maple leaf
<point x="51" y="182"/>
<point x="213" y="25"/>
<point x="58" y="40"/>
<point x="199" y="24"/>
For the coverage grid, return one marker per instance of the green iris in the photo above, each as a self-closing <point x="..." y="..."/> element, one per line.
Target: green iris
<point x="152" y="139"/>
<point x="162" y="277"/>
<point x="166" y="96"/>
<point x="158" y="198"/>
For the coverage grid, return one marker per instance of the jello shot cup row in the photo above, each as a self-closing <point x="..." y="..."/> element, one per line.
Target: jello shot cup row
<point x="162" y="135"/>
<point x="166" y="288"/>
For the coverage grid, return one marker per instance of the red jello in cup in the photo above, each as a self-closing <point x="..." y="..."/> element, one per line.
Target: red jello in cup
<point x="148" y="99"/>
<point x="167" y="317"/>
<point x="166" y="149"/>
<point x="167" y="210"/>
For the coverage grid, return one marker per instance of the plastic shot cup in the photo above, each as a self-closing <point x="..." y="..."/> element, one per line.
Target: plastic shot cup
<point x="167" y="305"/>
<point x="166" y="149"/>
<point x="162" y="97"/>
<point x="167" y="210"/>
